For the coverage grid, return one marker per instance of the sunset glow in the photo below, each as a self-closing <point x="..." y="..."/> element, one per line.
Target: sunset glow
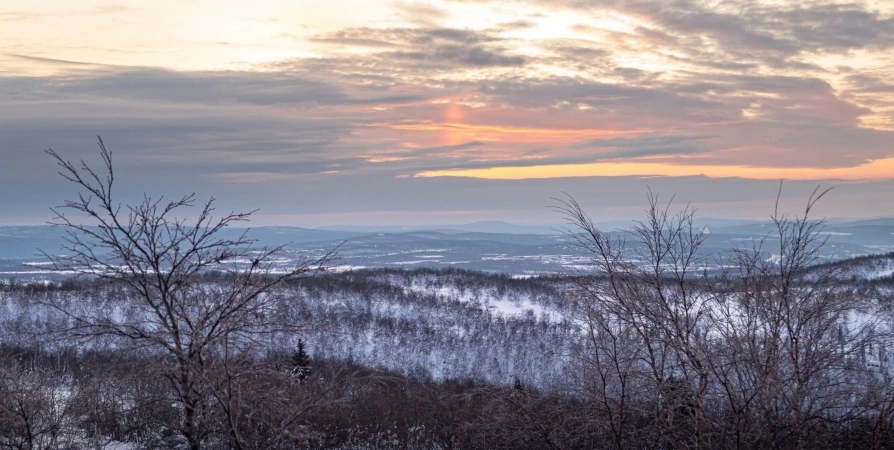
<point x="875" y="170"/>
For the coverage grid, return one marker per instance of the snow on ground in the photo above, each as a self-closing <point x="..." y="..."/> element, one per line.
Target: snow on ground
<point x="509" y="304"/>
<point x="343" y="268"/>
<point x="881" y="273"/>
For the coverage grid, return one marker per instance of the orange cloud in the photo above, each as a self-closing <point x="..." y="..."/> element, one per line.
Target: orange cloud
<point x="454" y="114"/>
<point x="500" y="132"/>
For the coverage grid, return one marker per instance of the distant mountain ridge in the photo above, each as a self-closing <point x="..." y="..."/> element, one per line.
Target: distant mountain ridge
<point x="489" y="226"/>
<point x="519" y="249"/>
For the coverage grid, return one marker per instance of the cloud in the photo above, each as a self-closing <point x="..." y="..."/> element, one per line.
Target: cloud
<point x="739" y="34"/>
<point x="445" y="47"/>
<point x="664" y="104"/>
<point x="421" y="13"/>
<point x="516" y="25"/>
<point x="837" y="27"/>
<point x="157" y="85"/>
<point x="462" y="55"/>
<point x="647" y="145"/>
<point x="343" y="40"/>
<point x="869" y="83"/>
<point x="51" y="61"/>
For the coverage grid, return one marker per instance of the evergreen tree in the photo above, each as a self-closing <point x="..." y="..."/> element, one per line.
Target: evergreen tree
<point x="301" y="362"/>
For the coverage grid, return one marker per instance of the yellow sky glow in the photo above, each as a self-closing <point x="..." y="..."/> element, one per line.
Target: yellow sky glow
<point x="875" y="170"/>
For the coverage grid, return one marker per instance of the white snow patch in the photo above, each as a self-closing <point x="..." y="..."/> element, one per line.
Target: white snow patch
<point x="343" y="268"/>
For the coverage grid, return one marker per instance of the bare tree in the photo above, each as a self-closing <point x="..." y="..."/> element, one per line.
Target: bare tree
<point x="643" y="316"/>
<point x="35" y="407"/>
<point x="757" y="355"/>
<point x="173" y="306"/>
<point x="789" y="336"/>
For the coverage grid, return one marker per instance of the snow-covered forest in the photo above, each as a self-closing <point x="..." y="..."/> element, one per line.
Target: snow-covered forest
<point x="386" y="343"/>
<point x="431" y="324"/>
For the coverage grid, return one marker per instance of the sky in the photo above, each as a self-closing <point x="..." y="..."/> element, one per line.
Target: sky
<point x="436" y="112"/>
